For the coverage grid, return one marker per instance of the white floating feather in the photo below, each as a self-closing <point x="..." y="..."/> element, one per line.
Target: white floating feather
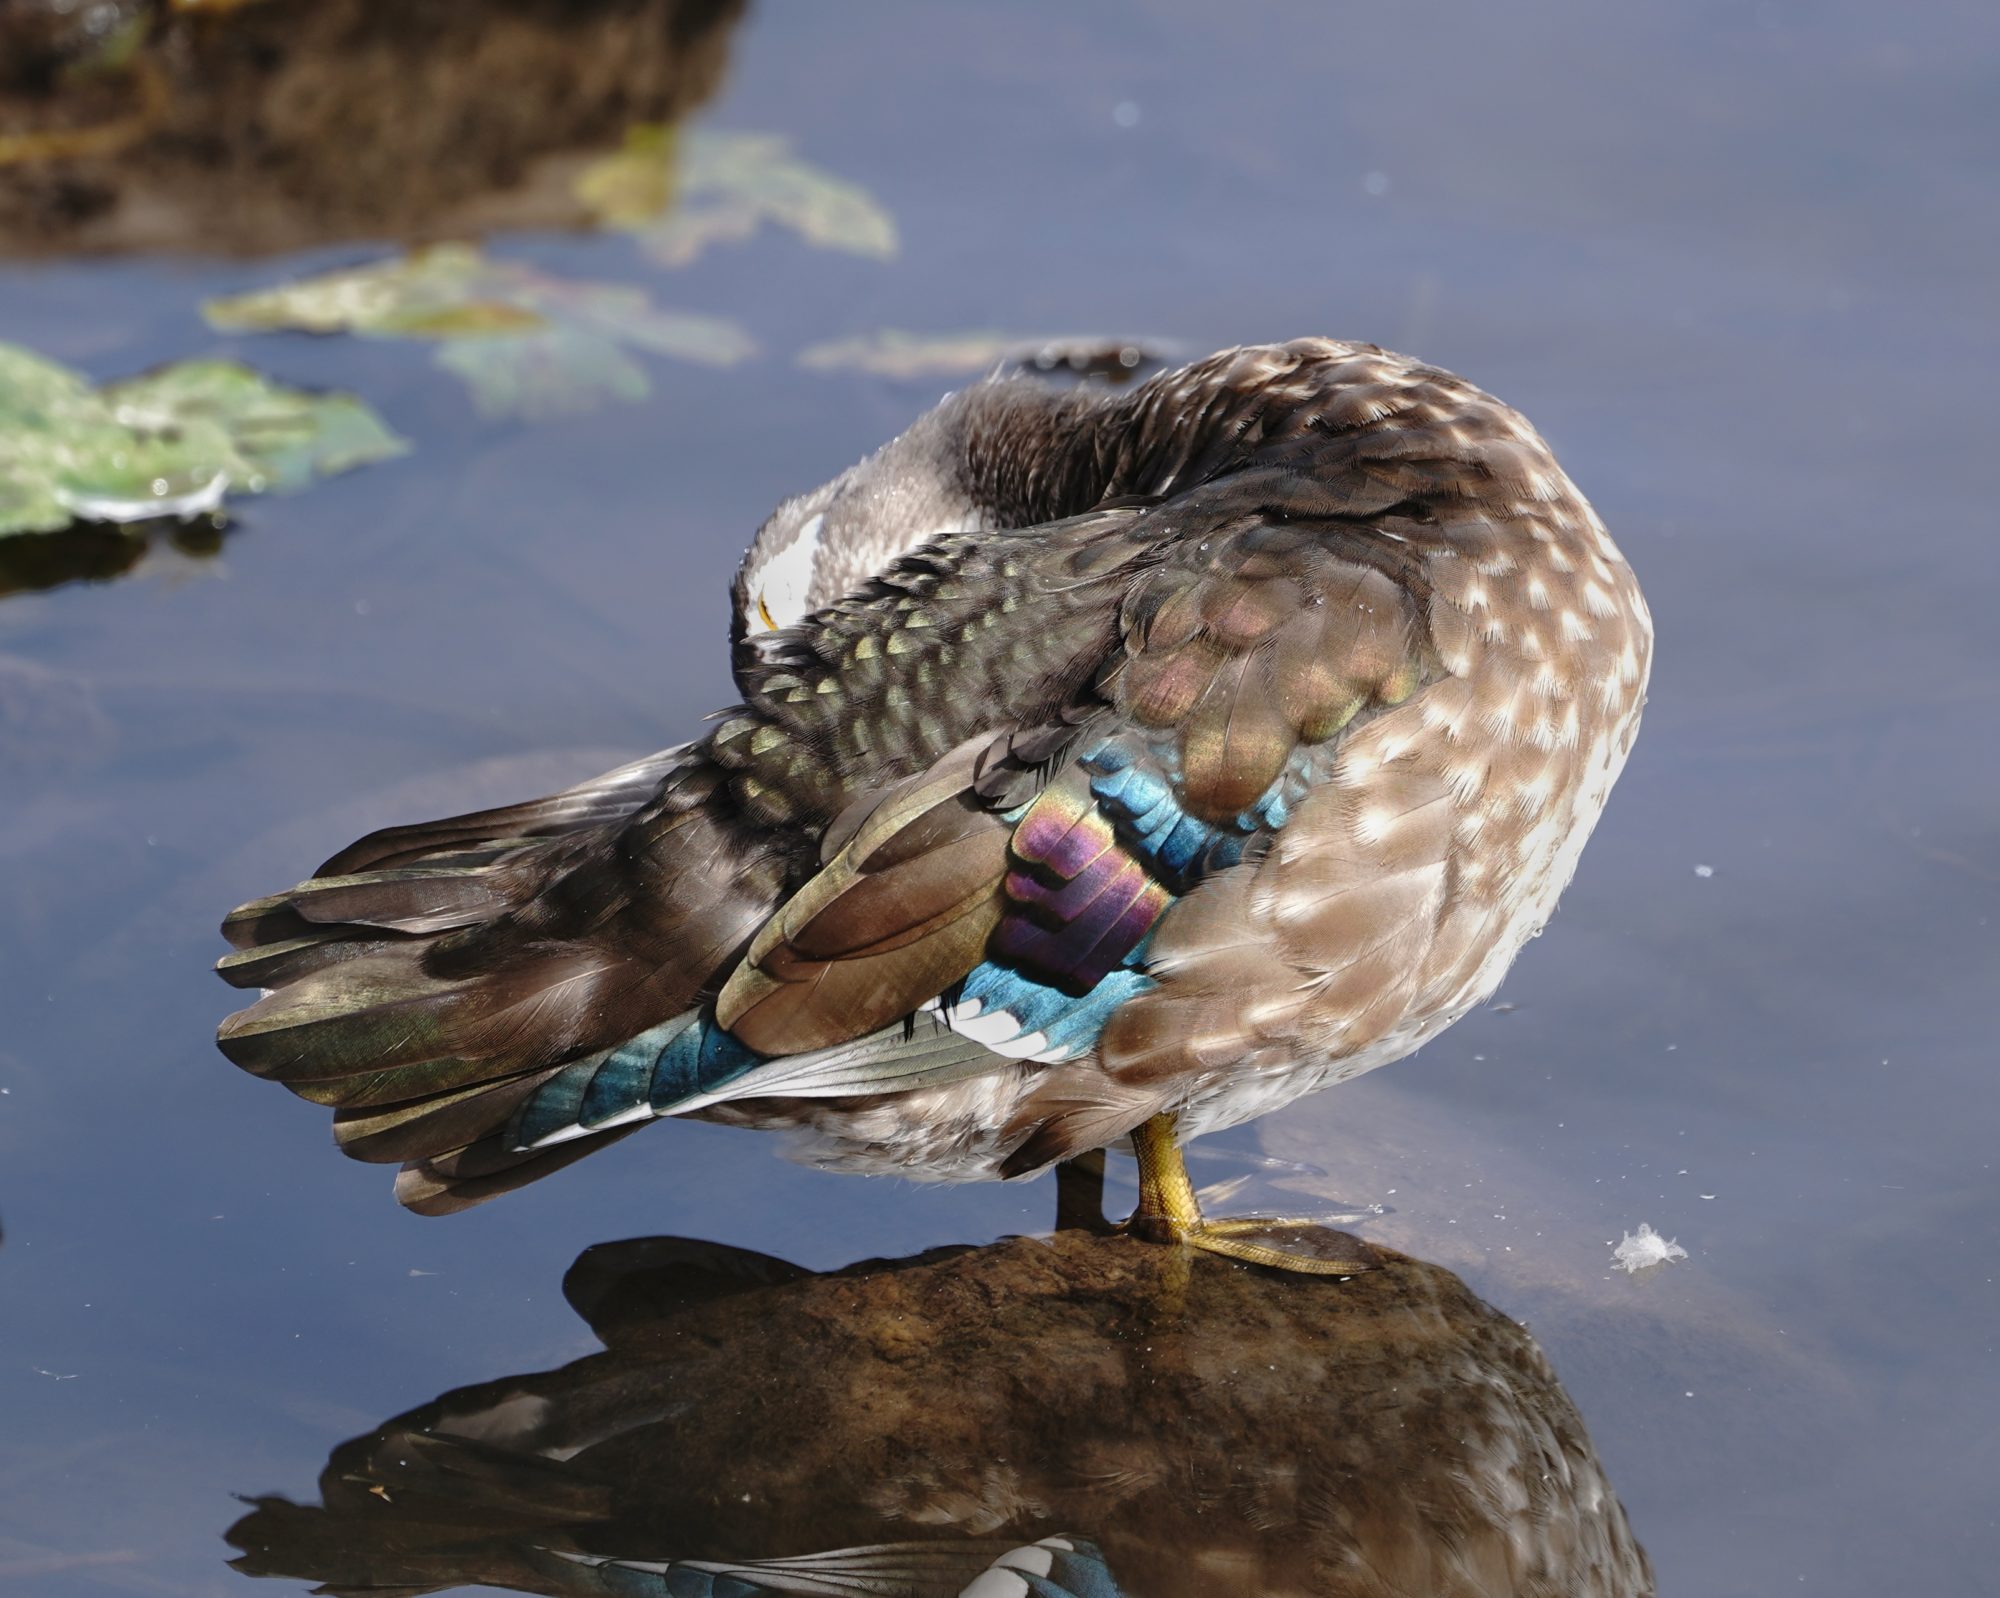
<point x="1642" y="1250"/>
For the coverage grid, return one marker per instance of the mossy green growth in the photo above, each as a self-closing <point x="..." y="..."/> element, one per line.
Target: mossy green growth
<point x="525" y="342"/>
<point x="173" y="442"/>
<point x="682" y="192"/>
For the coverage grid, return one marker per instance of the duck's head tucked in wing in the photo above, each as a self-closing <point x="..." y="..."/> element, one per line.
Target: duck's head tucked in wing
<point x="817" y="547"/>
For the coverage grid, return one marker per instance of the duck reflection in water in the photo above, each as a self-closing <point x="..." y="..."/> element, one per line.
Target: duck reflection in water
<point x="1075" y="1415"/>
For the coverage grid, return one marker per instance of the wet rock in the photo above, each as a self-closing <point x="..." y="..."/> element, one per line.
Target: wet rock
<point x="1209" y="1427"/>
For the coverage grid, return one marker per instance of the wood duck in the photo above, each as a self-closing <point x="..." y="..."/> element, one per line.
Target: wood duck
<point x="1109" y="763"/>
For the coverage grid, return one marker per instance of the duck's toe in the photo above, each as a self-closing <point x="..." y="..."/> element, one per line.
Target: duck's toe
<point x="1278" y="1243"/>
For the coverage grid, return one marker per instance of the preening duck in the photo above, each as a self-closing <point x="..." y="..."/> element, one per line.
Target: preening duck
<point x="1108" y="763"/>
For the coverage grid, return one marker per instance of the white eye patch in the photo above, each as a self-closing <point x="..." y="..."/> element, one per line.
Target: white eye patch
<point x="780" y="589"/>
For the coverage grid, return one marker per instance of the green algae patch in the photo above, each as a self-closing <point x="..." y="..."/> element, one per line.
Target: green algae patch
<point x="526" y="343"/>
<point x="683" y="192"/>
<point x="173" y="442"/>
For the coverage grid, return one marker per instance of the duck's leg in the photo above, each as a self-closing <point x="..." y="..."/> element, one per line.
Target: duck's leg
<point x="1080" y="1194"/>
<point x="1168" y="1212"/>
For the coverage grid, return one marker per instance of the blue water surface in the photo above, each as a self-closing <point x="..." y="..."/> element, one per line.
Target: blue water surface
<point x="1736" y="261"/>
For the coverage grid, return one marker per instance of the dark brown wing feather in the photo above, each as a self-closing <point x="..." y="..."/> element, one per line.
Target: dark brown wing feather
<point x="903" y="910"/>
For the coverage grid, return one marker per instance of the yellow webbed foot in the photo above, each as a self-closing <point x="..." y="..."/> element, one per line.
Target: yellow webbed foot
<point x="1169" y="1212"/>
<point x="1281" y="1245"/>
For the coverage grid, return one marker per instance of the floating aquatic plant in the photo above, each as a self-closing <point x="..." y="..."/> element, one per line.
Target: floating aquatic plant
<point x="526" y="342"/>
<point x="172" y="442"/>
<point x="682" y="192"/>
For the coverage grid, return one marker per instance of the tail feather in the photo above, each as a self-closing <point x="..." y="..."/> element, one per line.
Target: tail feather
<point x="484" y="1170"/>
<point x="405" y="899"/>
<point x="431" y="978"/>
<point x="275" y="964"/>
<point x="266" y="921"/>
<point x="426" y="1128"/>
<point x="606" y="799"/>
<point x="357" y="1019"/>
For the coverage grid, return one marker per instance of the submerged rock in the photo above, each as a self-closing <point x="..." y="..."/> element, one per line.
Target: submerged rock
<point x="1200" y="1427"/>
<point x="256" y="129"/>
